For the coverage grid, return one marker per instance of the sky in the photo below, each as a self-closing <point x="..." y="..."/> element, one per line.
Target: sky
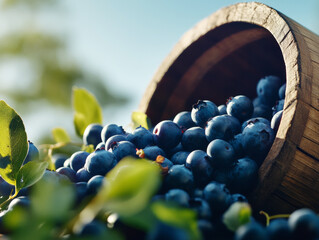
<point x="126" y="41"/>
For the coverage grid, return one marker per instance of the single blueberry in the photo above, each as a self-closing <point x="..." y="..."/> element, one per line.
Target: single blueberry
<point x="275" y="121"/>
<point x="240" y="107"/>
<point x="113" y="140"/>
<point x="267" y="89"/>
<point x="111" y="130"/>
<point x="70" y="173"/>
<point x="222" y="109"/>
<point x="263" y="111"/>
<point x="92" y="134"/>
<point x="100" y="145"/>
<point x="100" y="162"/>
<point x="184" y="120"/>
<point x="81" y="191"/>
<point x="123" y="149"/>
<point x="179" y="177"/>
<point x="167" y="134"/>
<point x="150" y="152"/>
<point x="202" y="111"/>
<point x="141" y="137"/>
<point x="194" y="138"/>
<point x="180" y="157"/>
<point x="198" y="162"/>
<point x="77" y="160"/>
<point x="251" y="231"/>
<point x="201" y="207"/>
<point x="222" y="127"/>
<point x="236" y="143"/>
<point x="278" y="107"/>
<point x="58" y="159"/>
<point x="278" y="229"/>
<point x="255" y="120"/>
<point x="95" y="184"/>
<point x="82" y="175"/>
<point x="221" y="153"/>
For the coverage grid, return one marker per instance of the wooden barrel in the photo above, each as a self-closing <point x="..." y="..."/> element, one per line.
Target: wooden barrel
<point x="225" y="55"/>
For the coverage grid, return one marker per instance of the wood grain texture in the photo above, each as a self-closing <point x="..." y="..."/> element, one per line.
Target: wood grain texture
<point x="226" y="54"/>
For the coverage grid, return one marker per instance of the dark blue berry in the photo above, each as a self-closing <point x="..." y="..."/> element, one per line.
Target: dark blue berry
<point x="198" y="162"/>
<point x="251" y="231"/>
<point x="123" y="149"/>
<point x="222" y="127"/>
<point x="184" y="120"/>
<point x="278" y="107"/>
<point x="150" y="152"/>
<point x="82" y="175"/>
<point x="221" y="153"/>
<point x="77" y="160"/>
<point x="275" y="121"/>
<point x="201" y="207"/>
<point x="222" y="109"/>
<point x="194" y="138"/>
<point x="70" y="173"/>
<point x="180" y="157"/>
<point x="58" y="159"/>
<point x="179" y="177"/>
<point x="113" y="140"/>
<point x="141" y="137"/>
<point x="240" y="107"/>
<point x="278" y="229"/>
<point x="236" y="143"/>
<point x="100" y="162"/>
<point x="267" y="89"/>
<point x="202" y="111"/>
<point x="111" y="130"/>
<point x="167" y="134"/>
<point x="95" y="184"/>
<point x="178" y="196"/>
<point x="255" y="120"/>
<point x="92" y="134"/>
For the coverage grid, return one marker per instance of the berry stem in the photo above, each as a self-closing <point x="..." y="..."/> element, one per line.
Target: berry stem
<point x="268" y="218"/>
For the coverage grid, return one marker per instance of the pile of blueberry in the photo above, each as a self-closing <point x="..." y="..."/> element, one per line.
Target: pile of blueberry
<point x="209" y="158"/>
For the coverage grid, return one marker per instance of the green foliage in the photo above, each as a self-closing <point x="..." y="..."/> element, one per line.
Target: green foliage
<point x="87" y="110"/>
<point x="30" y="173"/>
<point x="140" y="119"/>
<point x="239" y="213"/>
<point x="179" y="217"/>
<point x="13" y="144"/>
<point x="60" y="135"/>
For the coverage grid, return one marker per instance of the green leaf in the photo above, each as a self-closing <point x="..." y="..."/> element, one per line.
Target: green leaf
<point x="13" y="144"/>
<point x="128" y="189"/>
<point x="239" y="213"/>
<point x="52" y="199"/>
<point x="140" y="119"/>
<point x="86" y="110"/>
<point x="184" y="218"/>
<point x="30" y="173"/>
<point x="60" y="135"/>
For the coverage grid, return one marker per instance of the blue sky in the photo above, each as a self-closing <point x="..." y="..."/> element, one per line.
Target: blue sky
<point x="126" y="41"/>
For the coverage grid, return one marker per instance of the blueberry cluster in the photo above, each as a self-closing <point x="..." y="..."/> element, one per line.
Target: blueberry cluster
<point x="301" y="224"/>
<point x="209" y="157"/>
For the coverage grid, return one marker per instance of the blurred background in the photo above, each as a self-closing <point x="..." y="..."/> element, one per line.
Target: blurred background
<point x="110" y="47"/>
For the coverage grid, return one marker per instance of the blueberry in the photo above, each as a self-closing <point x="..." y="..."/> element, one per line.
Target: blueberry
<point x="222" y="109"/>
<point x="179" y="177"/>
<point x="5" y="188"/>
<point x="67" y="163"/>
<point x="257" y="140"/>
<point x="54" y="177"/>
<point x="178" y="196"/>
<point x="282" y="91"/>
<point x="255" y="120"/>
<point x="70" y="173"/>
<point x="33" y="153"/>
<point x="58" y="159"/>
<point x="111" y="130"/>
<point x="278" y="229"/>
<point x="244" y="176"/>
<point x="198" y="162"/>
<point x="168" y="232"/>
<point x="167" y="134"/>
<point x="202" y="111"/>
<point x="304" y="224"/>
<point x="113" y="140"/>
<point x="100" y="162"/>
<point x="237" y="197"/>
<point x="123" y="149"/>
<point x="141" y="137"/>
<point x="240" y="107"/>
<point x="267" y="89"/>
<point x="221" y="153"/>
<point x="222" y="127"/>
<point x="217" y="196"/>
<point x="95" y="184"/>
<point x="275" y="121"/>
<point x="82" y="175"/>
<point x="92" y="134"/>
<point x="252" y="230"/>
<point x="77" y="160"/>
<point x="184" y="120"/>
<point x="194" y="138"/>
<point x="150" y="152"/>
<point x="180" y="157"/>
